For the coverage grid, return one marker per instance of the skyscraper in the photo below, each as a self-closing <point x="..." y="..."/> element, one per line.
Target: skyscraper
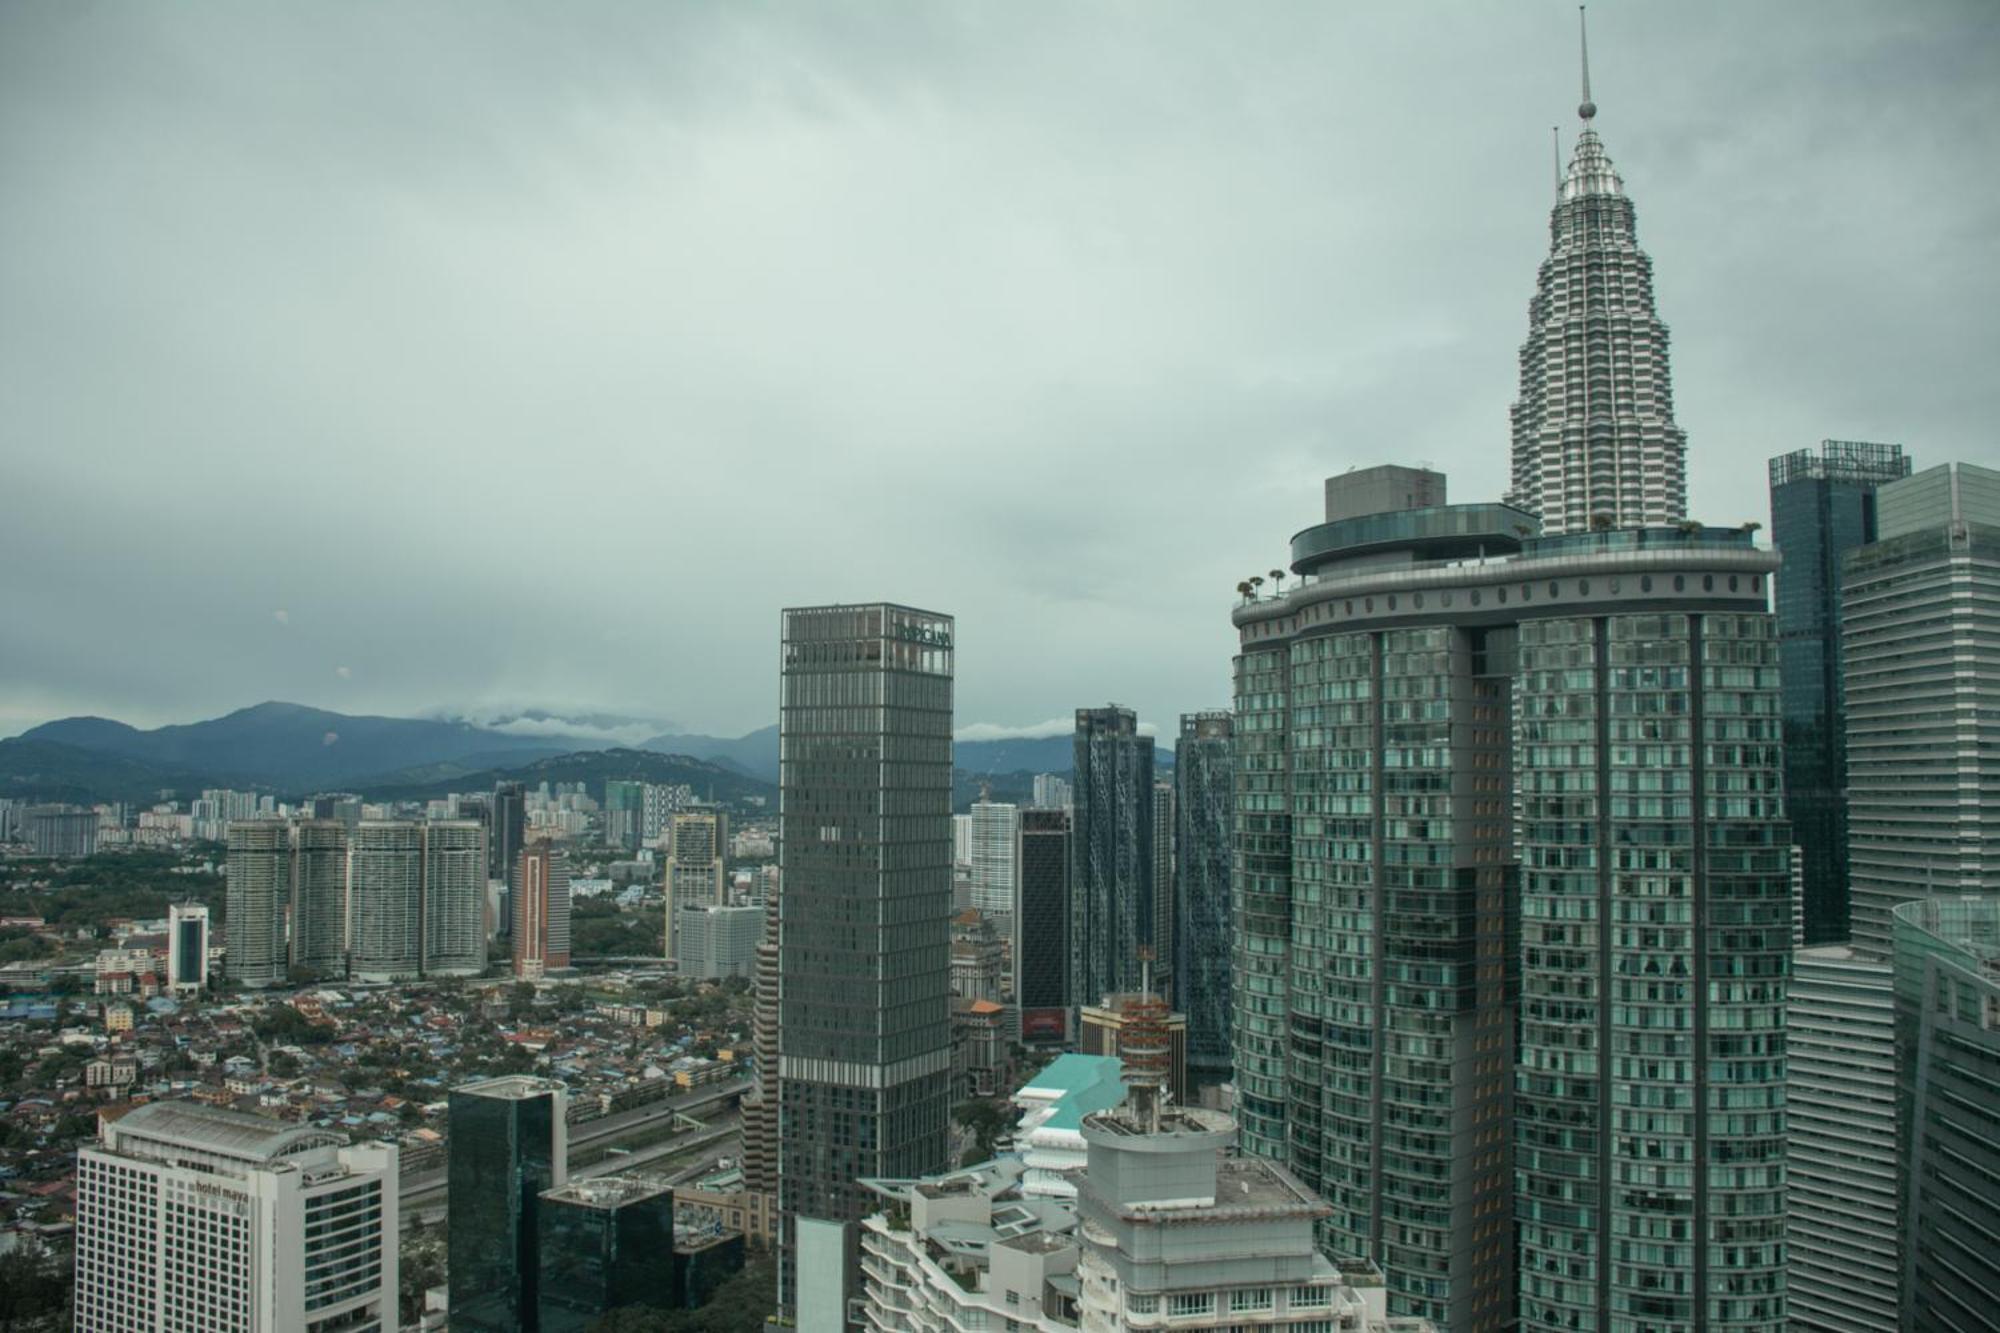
<point x="1111" y="854"/>
<point x="1921" y="640"/>
<point x="190" y="1216"/>
<point x="760" y="1103"/>
<point x="540" y="895"/>
<point x="693" y="874"/>
<point x="624" y="811"/>
<point x="319" y="897"/>
<point x="993" y="879"/>
<point x="509" y="829"/>
<point x="1204" y="779"/>
<point x="1822" y="506"/>
<point x="260" y="869"/>
<point x="1437" y="677"/>
<point x="1947" y="983"/>
<point x="1163" y="890"/>
<point x="1595" y="442"/>
<point x="865" y="852"/>
<point x="1041" y="926"/>
<point x="454" y="898"/>
<point x="187" y="947"/>
<point x="509" y="1143"/>
<point x="386" y="901"/>
<point x="1842" y="1173"/>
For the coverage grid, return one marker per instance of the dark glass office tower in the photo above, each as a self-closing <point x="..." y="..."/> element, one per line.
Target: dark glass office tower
<point x="1204" y="779"/>
<point x="604" y="1244"/>
<point x="1535" y="811"/>
<point x="1165" y="899"/>
<point x="864" y="1027"/>
<point x="1041" y="926"/>
<point x="1822" y="506"/>
<point x="509" y="831"/>
<point x="509" y="1143"/>
<point x="1111" y="854"/>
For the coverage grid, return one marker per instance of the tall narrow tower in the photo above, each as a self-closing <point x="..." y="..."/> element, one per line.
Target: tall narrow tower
<point x="864" y="1026"/>
<point x="1595" y="442"/>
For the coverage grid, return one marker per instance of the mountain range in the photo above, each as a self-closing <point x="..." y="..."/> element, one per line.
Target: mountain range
<point x="295" y="750"/>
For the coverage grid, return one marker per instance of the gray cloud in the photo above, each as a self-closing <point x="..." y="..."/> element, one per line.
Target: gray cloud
<point x="543" y="355"/>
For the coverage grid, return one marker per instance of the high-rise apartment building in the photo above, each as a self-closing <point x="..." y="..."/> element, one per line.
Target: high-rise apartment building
<point x="1822" y="507"/>
<point x="624" y="812"/>
<point x="386" y="901"/>
<point x="1595" y="444"/>
<point x="1841" y="1235"/>
<point x="993" y="877"/>
<point x="1051" y="792"/>
<point x="319" y="897"/>
<point x="1111" y="854"/>
<point x="65" y="831"/>
<point x="540" y="896"/>
<point x="1487" y="778"/>
<point x="509" y="1143"/>
<point x="509" y="829"/>
<point x="1164" y="892"/>
<point x="760" y="1103"/>
<point x="260" y="877"/>
<point x="1204" y="784"/>
<point x="187" y="947"/>
<point x="1041" y="925"/>
<point x="865" y="852"/>
<point x="454" y="943"/>
<point x="1947" y="983"/>
<point x="190" y="1216"/>
<point x="693" y="875"/>
<point x="1920" y="628"/>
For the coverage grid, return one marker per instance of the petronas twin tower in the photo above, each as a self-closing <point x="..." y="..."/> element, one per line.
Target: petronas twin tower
<point x="1595" y="444"/>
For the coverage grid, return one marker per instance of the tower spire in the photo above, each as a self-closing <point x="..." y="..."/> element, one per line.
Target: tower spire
<point x="1587" y="108"/>
<point x="1555" y="133"/>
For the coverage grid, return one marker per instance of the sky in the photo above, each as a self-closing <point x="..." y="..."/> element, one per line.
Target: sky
<point x="464" y="358"/>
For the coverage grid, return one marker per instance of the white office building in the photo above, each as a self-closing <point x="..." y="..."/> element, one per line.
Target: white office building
<point x="992" y="829"/>
<point x="191" y="1218"/>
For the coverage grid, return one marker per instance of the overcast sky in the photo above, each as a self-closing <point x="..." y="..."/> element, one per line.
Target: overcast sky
<point x="392" y="358"/>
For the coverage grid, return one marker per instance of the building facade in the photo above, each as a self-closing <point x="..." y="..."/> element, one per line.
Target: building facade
<point x="718" y="942"/>
<point x="260" y="870"/>
<point x="540" y="896"/>
<point x="1204" y="786"/>
<point x="508" y="831"/>
<point x="509" y="1144"/>
<point x="604" y="1244"/>
<point x="865" y="853"/>
<point x="1947" y="983"/>
<point x="187" y="947"/>
<point x="1041" y="926"/>
<point x="1594" y="436"/>
<point x="1111" y="854"/>
<point x="1164" y="891"/>
<point x="992" y="832"/>
<point x="693" y="876"/>
<point x="1920" y="627"/>
<point x="1841" y="1234"/>
<point x="193" y="1217"/>
<point x="1484" y="776"/>
<point x="1822" y="507"/>
<point x="454" y="912"/>
<point x="319" y="897"/>
<point x="386" y="901"/>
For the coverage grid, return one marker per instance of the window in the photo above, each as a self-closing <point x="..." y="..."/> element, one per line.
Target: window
<point x="1251" y="1298"/>
<point x="1184" y="1303"/>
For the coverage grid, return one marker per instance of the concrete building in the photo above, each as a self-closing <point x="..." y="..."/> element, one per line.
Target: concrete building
<point x="718" y="942"/>
<point x="260" y="871"/>
<point x="1822" y="507"/>
<point x="624" y="812"/>
<point x="386" y="901"/>
<point x="1487" y="781"/>
<point x="993" y="829"/>
<point x="1051" y="792"/>
<point x="509" y="1145"/>
<point x="693" y="873"/>
<point x="1841" y="1233"/>
<point x="454" y="897"/>
<point x="1204" y="783"/>
<point x="1947" y="983"/>
<point x="760" y="1103"/>
<point x="1111" y="854"/>
<point x="187" y="948"/>
<point x="540" y="896"/>
<point x="191" y="1217"/>
<point x="978" y="961"/>
<point x="1920" y="629"/>
<point x="1381" y="490"/>
<point x="319" y="897"/>
<point x="67" y="832"/>
<point x="864" y="1028"/>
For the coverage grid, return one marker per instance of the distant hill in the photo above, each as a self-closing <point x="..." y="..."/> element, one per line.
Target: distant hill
<point x="295" y="748"/>
<point x="757" y="753"/>
<point x="40" y="770"/>
<point x="711" y="781"/>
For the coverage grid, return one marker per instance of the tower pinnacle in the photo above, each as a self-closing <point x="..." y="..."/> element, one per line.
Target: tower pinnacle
<point x="1587" y="108"/>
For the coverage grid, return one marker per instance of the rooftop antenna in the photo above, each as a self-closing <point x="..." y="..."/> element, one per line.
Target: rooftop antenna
<point x="1587" y="108"/>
